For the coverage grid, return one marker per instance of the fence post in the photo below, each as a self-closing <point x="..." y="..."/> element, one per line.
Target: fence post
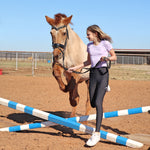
<point x="16" y="60"/>
<point x="35" y="60"/>
<point x="32" y="64"/>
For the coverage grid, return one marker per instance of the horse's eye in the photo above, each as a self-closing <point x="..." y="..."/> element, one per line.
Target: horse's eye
<point x="64" y="33"/>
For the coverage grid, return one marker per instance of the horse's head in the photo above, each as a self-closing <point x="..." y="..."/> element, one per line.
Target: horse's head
<point x="59" y="33"/>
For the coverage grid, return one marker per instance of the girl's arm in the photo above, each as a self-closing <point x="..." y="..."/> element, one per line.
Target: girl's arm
<point x="113" y="56"/>
<point x="84" y="64"/>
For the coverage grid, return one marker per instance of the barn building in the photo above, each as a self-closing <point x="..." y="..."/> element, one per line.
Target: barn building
<point x="133" y="56"/>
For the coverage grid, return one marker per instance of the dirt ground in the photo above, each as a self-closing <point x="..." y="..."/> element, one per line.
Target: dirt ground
<point x="43" y="93"/>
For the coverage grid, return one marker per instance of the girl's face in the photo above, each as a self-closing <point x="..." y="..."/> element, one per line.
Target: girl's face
<point x="91" y="36"/>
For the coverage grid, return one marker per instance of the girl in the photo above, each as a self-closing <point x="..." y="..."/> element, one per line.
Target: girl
<point x="98" y="49"/>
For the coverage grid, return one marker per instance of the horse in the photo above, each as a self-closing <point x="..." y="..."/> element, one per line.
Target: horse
<point x="68" y="51"/>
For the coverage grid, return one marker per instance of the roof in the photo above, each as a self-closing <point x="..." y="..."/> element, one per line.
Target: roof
<point x="133" y="51"/>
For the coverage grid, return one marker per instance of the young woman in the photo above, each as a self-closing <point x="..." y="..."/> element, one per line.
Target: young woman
<point x="98" y="50"/>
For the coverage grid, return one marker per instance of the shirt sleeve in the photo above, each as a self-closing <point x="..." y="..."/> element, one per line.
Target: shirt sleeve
<point x="108" y="45"/>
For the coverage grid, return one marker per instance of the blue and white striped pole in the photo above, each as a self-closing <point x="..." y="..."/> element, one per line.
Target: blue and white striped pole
<point x="113" y="114"/>
<point x="127" y="112"/>
<point x="69" y="123"/>
<point x="78" y="119"/>
<point x="28" y="126"/>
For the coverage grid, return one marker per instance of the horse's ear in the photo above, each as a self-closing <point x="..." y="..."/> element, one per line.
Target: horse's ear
<point x="50" y="20"/>
<point x="67" y="20"/>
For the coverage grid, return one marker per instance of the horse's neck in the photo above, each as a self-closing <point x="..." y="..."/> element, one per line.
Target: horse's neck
<point x="76" y="49"/>
<point x="73" y="37"/>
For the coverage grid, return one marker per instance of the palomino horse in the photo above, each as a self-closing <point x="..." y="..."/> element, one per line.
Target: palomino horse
<point x="68" y="50"/>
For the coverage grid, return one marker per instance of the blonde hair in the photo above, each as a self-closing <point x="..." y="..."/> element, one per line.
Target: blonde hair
<point x="100" y="33"/>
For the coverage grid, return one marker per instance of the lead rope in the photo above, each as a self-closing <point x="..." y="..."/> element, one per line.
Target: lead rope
<point x="88" y="69"/>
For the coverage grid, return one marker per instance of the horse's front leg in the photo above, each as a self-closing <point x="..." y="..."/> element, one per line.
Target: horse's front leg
<point x="74" y="100"/>
<point x="57" y="73"/>
<point x="72" y="87"/>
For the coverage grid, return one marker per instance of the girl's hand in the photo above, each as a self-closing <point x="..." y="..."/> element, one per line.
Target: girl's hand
<point x="70" y="70"/>
<point x="104" y="58"/>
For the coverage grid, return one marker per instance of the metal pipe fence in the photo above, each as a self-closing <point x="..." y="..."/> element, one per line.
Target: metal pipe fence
<point x="21" y="59"/>
<point x="25" y="56"/>
<point x="35" y="62"/>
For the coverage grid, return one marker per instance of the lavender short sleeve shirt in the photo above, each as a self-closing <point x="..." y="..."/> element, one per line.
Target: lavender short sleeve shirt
<point x="97" y="51"/>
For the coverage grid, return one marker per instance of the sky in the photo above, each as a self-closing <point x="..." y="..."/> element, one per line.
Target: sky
<point x="23" y="26"/>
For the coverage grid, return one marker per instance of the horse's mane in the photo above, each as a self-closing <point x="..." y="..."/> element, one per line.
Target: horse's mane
<point x="58" y="18"/>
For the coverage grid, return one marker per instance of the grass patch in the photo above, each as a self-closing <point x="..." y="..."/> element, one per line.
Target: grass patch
<point x="22" y="64"/>
<point x="117" y="72"/>
<point x="130" y="72"/>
